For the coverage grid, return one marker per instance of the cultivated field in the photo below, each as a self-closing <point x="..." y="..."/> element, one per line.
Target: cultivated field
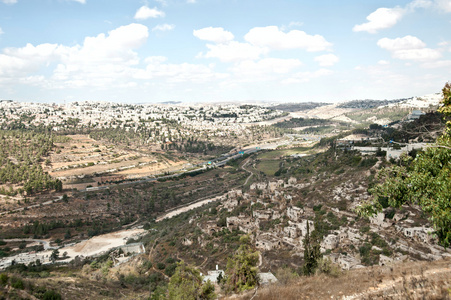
<point x="84" y="162"/>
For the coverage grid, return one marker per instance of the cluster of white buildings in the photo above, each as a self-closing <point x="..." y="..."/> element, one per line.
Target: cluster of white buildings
<point x="161" y="123"/>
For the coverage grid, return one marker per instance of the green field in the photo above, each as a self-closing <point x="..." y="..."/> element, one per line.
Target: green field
<point x="269" y="167"/>
<point x="285" y="152"/>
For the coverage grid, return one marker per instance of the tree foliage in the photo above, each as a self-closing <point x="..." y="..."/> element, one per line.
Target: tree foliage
<point x="186" y="284"/>
<point x="21" y="153"/>
<point x="312" y="252"/>
<point x="424" y="181"/>
<point x="241" y="272"/>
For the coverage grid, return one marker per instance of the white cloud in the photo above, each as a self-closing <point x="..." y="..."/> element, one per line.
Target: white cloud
<point x="191" y="1"/>
<point x="417" y="54"/>
<point x="405" y="43"/>
<point x="419" y="4"/>
<point x="158" y="68"/>
<point x="267" y="66"/>
<point x="144" y="12"/>
<point x="275" y="39"/>
<point x="164" y="27"/>
<point x="234" y="51"/>
<point x="291" y="25"/>
<point x="307" y="76"/>
<point x="80" y="1"/>
<point x="295" y="24"/>
<point x="327" y="60"/>
<point x="444" y="5"/>
<point x="382" y="18"/>
<point x="1" y="31"/>
<point x="163" y="2"/>
<point x="409" y="48"/>
<point x="214" y="34"/>
<point x="16" y="62"/>
<point x="383" y="62"/>
<point x="446" y="46"/>
<point x="437" y="64"/>
<point x="9" y="1"/>
<point x="101" y="62"/>
<point x="259" y="41"/>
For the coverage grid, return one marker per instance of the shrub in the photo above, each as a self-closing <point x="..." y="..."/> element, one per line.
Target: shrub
<point x="286" y="275"/>
<point x="186" y="283"/>
<point x="17" y="283"/>
<point x="161" y="266"/>
<point x="241" y="271"/>
<point x="326" y="266"/>
<point x="170" y="260"/>
<point x="51" y="295"/>
<point x="3" y="278"/>
<point x="364" y="229"/>
<point x="170" y="269"/>
<point x="317" y="207"/>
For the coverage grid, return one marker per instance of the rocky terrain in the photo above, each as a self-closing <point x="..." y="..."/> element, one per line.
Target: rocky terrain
<point x="302" y="184"/>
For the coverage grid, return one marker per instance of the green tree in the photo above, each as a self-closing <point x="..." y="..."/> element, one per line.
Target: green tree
<point x="54" y="256"/>
<point x="51" y="295"/>
<point x="67" y="235"/>
<point x="241" y="271"/>
<point x="186" y="284"/>
<point x="312" y="252"/>
<point x="424" y="181"/>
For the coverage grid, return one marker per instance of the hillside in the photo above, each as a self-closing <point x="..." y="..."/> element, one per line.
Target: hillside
<point x="297" y="174"/>
<point x="420" y="280"/>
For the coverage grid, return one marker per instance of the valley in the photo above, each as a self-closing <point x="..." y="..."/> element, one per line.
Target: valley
<point x="135" y="200"/>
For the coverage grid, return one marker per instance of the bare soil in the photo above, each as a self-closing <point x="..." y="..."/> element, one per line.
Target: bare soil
<point x="83" y="157"/>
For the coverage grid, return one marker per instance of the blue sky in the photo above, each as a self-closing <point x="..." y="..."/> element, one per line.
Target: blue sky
<point x="223" y="50"/>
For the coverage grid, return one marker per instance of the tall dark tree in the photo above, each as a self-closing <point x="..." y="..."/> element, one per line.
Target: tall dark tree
<point x="312" y="252"/>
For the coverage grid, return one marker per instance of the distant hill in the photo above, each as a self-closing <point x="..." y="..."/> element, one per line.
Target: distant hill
<point x="291" y="107"/>
<point x="366" y="104"/>
<point x="171" y="102"/>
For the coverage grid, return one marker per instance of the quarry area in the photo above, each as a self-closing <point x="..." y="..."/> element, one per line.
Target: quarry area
<point x="92" y="247"/>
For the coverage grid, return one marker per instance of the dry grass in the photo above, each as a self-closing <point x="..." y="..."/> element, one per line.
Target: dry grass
<point x="83" y="155"/>
<point x="412" y="280"/>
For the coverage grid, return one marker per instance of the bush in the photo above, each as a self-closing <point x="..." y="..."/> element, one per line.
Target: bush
<point x="95" y="265"/>
<point x="364" y="229"/>
<point x="241" y="271"/>
<point x="390" y="213"/>
<point x="365" y="249"/>
<point x="326" y="266"/>
<point x="170" y="269"/>
<point x="286" y="275"/>
<point x="222" y="222"/>
<point x="186" y="283"/>
<point x="51" y="295"/>
<point x="317" y="207"/>
<point x="3" y="278"/>
<point x="369" y="162"/>
<point x="161" y="266"/>
<point x="17" y="283"/>
<point x="170" y="260"/>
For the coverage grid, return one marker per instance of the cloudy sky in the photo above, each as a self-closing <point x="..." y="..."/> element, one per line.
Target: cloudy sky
<point x="223" y="50"/>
